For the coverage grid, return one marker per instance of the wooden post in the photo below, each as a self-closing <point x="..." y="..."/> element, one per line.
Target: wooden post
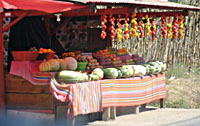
<point x="136" y="109"/>
<point x="112" y="112"/>
<point x="106" y="114"/>
<point x="162" y="103"/>
<point x="2" y="78"/>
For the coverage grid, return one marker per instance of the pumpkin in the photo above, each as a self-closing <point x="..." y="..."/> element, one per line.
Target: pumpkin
<point x="63" y="65"/>
<point x="55" y="66"/>
<point x="45" y="66"/>
<point x="99" y="72"/>
<point x="71" y="63"/>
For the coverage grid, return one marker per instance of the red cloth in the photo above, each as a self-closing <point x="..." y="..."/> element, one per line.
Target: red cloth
<point x="27" y="70"/>
<point x="48" y="6"/>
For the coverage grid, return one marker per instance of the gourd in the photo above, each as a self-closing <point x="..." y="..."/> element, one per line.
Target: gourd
<point x="49" y="66"/>
<point x="55" y="66"/>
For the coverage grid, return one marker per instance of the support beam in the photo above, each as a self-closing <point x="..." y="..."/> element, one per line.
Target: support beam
<point x="2" y="78"/>
<point x="15" y="21"/>
<point x="61" y="25"/>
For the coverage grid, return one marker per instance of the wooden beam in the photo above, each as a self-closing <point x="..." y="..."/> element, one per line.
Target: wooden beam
<point x="61" y="25"/>
<point x="2" y="78"/>
<point x="89" y="12"/>
<point x="15" y="21"/>
<point x="47" y="24"/>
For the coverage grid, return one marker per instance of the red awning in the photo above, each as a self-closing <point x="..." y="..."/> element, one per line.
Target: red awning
<point x="160" y="4"/>
<point x="48" y="6"/>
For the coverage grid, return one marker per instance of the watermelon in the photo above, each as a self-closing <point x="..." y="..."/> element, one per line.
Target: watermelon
<point x="130" y="70"/>
<point x="125" y="72"/>
<point x="119" y="73"/>
<point x="110" y="73"/>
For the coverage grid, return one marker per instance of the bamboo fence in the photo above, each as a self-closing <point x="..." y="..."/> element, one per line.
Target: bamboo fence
<point x="185" y="51"/>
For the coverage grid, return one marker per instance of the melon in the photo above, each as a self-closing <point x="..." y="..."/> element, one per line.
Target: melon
<point x="140" y="70"/>
<point x="71" y="63"/>
<point x="55" y="66"/>
<point x="63" y="65"/>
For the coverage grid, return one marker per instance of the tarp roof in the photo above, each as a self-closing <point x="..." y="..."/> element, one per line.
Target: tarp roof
<point x="48" y="6"/>
<point x="144" y="3"/>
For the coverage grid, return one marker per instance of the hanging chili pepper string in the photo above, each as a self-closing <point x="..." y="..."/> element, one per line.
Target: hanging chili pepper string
<point x="119" y="31"/>
<point x="154" y="28"/>
<point x="175" y="26"/>
<point x="164" y="28"/>
<point x="147" y="26"/>
<point x="126" y="30"/>
<point x="169" y="28"/>
<point x="140" y="26"/>
<point x="112" y="28"/>
<point x="180" y="26"/>
<point x="134" y="25"/>
<point x="104" y="27"/>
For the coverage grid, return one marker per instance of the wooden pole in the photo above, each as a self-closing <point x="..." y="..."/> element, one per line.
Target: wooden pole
<point x="2" y="78"/>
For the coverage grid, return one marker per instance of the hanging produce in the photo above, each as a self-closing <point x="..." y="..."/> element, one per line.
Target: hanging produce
<point x="180" y="26"/>
<point x="175" y="26"/>
<point x="119" y="30"/>
<point x="126" y="30"/>
<point x="112" y="28"/>
<point x="104" y="27"/>
<point x="147" y="26"/>
<point x="154" y="29"/>
<point x="140" y="22"/>
<point x="169" y="28"/>
<point x="163" y="29"/>
<point x="133" y="26"/>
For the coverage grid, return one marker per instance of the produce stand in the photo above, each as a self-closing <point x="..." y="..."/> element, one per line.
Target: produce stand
<point x="18" y="93"/>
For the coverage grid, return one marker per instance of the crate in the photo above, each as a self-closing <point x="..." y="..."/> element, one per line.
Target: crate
<point x="25" y="55"/>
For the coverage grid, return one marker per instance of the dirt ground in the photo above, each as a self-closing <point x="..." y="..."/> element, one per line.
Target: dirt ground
<point x="183" y="90"/>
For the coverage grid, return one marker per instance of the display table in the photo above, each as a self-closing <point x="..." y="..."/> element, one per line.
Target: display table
<point x="95" y="96"/>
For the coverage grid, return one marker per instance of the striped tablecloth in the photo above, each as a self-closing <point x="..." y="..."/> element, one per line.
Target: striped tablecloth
<point x="133" y="91"/>
<point x="83" y="98"/>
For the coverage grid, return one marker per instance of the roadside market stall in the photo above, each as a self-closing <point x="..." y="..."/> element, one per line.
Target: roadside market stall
<point x="90" y="96"/>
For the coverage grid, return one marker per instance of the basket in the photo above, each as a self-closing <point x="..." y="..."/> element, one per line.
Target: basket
<point x="42" y="56"/>
<point x="25" y="55"/>
<point x="81" y="66"/>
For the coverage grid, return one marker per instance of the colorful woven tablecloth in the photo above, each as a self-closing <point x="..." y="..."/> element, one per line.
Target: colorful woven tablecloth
<point x="133" y="91"/>
<point x="83" y="98"/>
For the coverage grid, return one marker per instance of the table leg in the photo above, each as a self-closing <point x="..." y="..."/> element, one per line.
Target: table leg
<point x="112" y="112"/>
<point x="136" y="109"/>
<point x="162" y="103"/>
<point x="106" y="114"/>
